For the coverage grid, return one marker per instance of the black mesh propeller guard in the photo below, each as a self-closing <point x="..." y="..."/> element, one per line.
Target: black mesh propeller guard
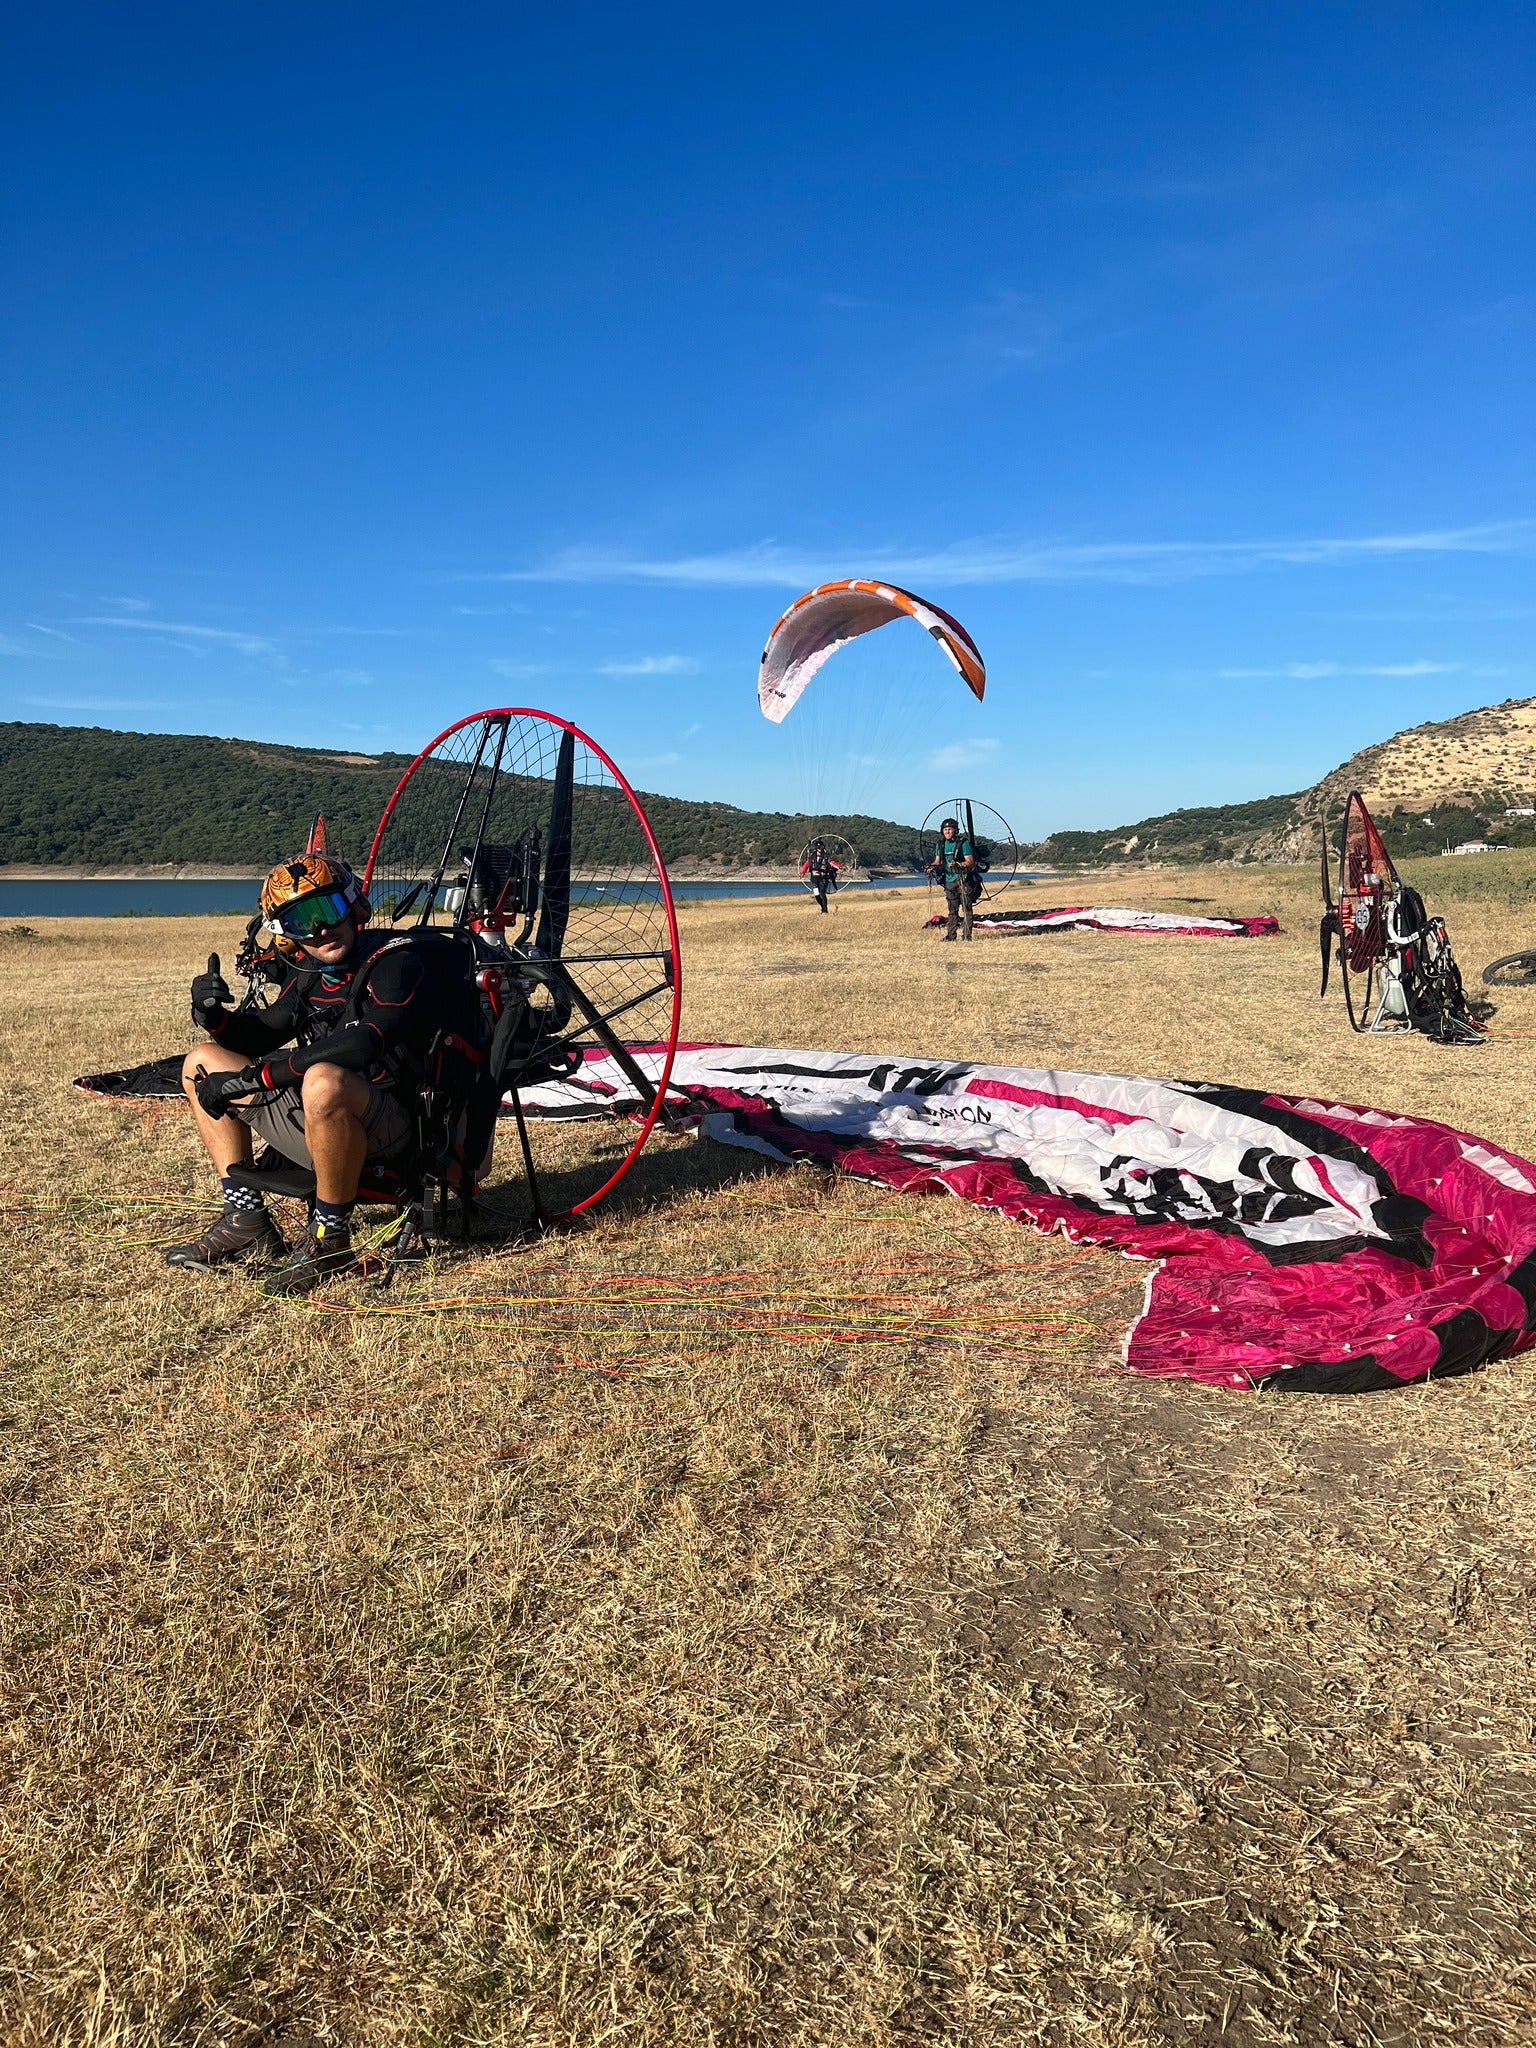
<point x="984" y="826"/>
<point x="517" y="827"/>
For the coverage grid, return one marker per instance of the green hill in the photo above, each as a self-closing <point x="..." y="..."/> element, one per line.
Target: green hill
<point x="81" y="795"/>
<point x="1212" y="832"/>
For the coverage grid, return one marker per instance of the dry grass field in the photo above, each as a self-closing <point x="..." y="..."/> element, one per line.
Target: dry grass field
<point x="768" y="1615"/>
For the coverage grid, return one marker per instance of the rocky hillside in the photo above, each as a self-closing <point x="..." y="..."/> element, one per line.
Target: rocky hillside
<point x="1428" y="787"/>
<point x="1481" y="763"/>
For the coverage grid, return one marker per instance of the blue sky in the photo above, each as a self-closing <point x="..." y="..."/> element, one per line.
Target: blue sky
<point x="365" y="366"/>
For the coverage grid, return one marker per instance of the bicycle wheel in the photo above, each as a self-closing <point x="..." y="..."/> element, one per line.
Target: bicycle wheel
<point x="1514" y="970"/>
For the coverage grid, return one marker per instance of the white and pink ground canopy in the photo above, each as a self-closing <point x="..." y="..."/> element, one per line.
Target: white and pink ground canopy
<point x="827" y="618"/>
<point x="1297" y="1243"/>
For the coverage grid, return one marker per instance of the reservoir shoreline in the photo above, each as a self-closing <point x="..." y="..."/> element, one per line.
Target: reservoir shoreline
<point x="203" y="871"/>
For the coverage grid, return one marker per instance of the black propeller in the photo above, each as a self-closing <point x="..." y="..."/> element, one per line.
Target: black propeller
<point x="555" y="912"/>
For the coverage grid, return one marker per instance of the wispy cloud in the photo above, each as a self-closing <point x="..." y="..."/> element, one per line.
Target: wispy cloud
<point x="966" y="754"/>
<point x="196" y="639"/>
<point x="514" y="671"/>
<point x="52" y="632"/>
<point x="356" y="632"/>
<point x="770" y="565"/>
<point x="652" y="665"/>
<point x="1315" y="671"/>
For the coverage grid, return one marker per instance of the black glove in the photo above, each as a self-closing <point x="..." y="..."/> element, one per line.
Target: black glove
<point x="215" y="1092"/>
<point x="210" y="997"/>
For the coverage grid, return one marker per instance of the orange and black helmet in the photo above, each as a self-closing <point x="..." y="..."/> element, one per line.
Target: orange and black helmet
<point x="308" y="895"/>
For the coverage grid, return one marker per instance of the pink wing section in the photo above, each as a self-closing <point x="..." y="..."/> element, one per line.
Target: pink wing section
<point x="1101" y="917"/>
<point x="1299" y="1244"/>
<point x="827" y="618"/>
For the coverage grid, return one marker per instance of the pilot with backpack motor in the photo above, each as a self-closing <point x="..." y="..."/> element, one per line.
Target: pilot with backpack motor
<point x="956" y="866"/>
<point x="821" y="871"/>
<point x="336" y="1097"/>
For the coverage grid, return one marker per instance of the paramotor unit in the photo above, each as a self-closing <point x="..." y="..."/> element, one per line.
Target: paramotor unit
<point x="514" y="831"/>
<point x="997" y="850"/>
<point x="1395" y="960"/>
<point x="828" y="863"/>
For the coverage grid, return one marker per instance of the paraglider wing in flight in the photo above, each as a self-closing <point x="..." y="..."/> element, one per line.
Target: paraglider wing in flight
<point x="827" y="618"/>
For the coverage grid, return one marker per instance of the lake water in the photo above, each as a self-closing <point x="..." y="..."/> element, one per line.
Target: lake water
<point x="23" y="899"/>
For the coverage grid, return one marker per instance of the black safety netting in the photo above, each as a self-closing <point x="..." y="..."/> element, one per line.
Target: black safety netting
<point x="515" y="826"/>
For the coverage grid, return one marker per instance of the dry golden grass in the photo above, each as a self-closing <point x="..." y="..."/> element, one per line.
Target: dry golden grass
<point x="604" y="1661"/>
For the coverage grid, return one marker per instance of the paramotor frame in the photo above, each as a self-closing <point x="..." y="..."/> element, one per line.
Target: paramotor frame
<point x="843" y="856"/>
<point x="515" y="828"/>
<point x="997" y="850"/>
<point x="1368" y="923"/>
<point x="1395" y="960"/>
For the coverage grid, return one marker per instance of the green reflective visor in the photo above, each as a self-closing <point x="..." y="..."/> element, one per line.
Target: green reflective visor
<point x="310" y="915"/>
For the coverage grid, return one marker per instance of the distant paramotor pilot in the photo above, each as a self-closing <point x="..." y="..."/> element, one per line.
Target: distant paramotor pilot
<point x="821" y="871"/>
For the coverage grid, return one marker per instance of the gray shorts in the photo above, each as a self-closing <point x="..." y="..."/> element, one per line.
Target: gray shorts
<point x="280" y="1124"/>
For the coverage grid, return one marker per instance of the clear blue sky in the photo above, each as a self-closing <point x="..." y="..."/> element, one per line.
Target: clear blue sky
<point x="362" y="366"/>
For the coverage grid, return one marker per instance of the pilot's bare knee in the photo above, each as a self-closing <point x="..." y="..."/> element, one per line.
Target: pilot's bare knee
<point x="324" y="1088"/>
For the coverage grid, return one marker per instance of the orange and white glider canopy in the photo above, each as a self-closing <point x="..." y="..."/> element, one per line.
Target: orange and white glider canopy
<point x="828" y="617"/>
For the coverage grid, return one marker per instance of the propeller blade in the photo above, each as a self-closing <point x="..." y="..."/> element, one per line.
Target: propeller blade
<point x="1329" y="927"/>
<point x="406" y="901"/>
<point x="555" y="909"/>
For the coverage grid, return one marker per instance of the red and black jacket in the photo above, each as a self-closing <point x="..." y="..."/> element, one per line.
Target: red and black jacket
<point x="377" y="1019"/>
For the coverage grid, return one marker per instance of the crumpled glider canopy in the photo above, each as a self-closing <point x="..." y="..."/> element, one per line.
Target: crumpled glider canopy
<point x="828" y="617"/>
<point x="1302" y="1245"/>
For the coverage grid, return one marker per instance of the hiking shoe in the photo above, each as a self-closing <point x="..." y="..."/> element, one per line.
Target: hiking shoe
<point x="244" y="1236"/>
<point x="319" y="1255"/>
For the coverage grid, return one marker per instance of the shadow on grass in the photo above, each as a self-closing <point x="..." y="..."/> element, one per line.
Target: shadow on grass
<point x="669" y="1170"/>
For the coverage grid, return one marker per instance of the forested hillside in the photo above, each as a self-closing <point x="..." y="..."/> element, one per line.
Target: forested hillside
<point x="1214" y="832"/>
<point x="83" y="795"/>
<point x="80" y="795"/>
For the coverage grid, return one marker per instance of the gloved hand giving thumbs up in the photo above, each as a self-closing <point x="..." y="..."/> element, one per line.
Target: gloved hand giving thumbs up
<point x="210" y="997"/>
